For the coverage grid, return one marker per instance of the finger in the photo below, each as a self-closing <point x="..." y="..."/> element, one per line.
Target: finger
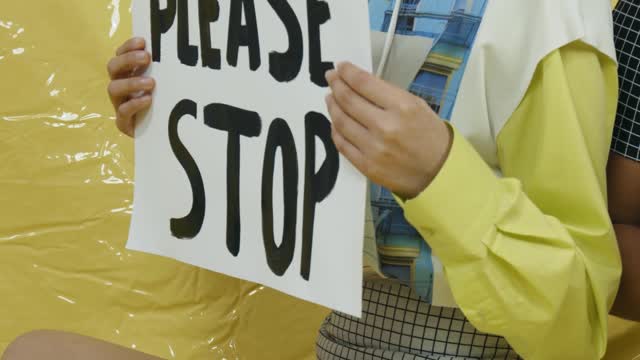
<point x="136" y="43"/>
<point x="124" y="65"/>
<point x="130" y="108"/>
<point x="377" y="91"/>
<point x="349" y="151"/>
<point x="352" y="103"/>
<point x="138" y="71"/>
<point x="125" y="126"/>
<point x="351" y="130"/>
<point x="128" y="111"/>
<point x="122" y="89"/>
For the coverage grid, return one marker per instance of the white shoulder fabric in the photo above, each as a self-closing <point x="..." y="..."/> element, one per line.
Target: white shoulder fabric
<point x="515" y="35"/>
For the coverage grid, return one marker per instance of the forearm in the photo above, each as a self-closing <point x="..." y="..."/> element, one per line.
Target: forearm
<point x="627" y="304"/>
<point x="624" y="207"/>
<point x="532" y="256"/>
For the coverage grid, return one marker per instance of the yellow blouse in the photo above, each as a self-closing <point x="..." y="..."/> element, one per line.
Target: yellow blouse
<point x="532" y="256"/>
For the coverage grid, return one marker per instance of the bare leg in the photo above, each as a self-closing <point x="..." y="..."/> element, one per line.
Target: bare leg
<point x="53" y="345"/>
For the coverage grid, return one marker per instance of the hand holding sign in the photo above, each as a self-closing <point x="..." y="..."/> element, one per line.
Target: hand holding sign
<point x="124" y="69"/>
<point x="389" y="134"/>
<point x="237" y="171"/>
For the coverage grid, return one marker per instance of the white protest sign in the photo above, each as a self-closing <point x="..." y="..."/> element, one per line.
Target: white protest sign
<point x="235" y="168"/>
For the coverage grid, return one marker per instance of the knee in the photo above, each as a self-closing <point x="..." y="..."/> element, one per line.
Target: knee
<point x="28" y="346"/>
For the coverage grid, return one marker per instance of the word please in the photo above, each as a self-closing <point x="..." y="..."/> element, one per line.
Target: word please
<point x="243" y="32"/>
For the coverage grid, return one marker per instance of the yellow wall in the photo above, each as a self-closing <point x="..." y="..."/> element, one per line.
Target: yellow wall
<point x="65" y="190"/>
<point x="65" y="195"/>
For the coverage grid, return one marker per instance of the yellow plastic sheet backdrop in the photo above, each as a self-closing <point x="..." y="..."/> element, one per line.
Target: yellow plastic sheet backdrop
<point x="65" y="201"/>
<point x="66" y="181"/>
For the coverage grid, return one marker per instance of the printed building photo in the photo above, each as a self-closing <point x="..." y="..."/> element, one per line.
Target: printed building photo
<point x="451" y="27"/>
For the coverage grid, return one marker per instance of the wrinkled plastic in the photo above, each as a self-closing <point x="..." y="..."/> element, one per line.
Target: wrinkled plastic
<point x="65" y="193"/>
<point x="66" y="180"/>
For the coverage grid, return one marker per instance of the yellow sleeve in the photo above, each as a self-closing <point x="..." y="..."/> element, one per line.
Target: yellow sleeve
<point x="532" y="256"/>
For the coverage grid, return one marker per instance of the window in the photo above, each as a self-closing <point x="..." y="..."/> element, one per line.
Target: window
<point x="430" y="87"/>
<point x="460" y="5"/>
<point x="406" y="24"/>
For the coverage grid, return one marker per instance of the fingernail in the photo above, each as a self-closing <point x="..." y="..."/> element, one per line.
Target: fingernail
<point x="329" y="75"/>
<point x="146" y="82"/>
<point x="138" y="94"/>
<point x="141" y="56"/>
<point x="340" y="66"/>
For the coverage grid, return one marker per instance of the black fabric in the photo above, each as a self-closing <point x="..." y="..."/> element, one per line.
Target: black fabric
<point x="626" y="134"/>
